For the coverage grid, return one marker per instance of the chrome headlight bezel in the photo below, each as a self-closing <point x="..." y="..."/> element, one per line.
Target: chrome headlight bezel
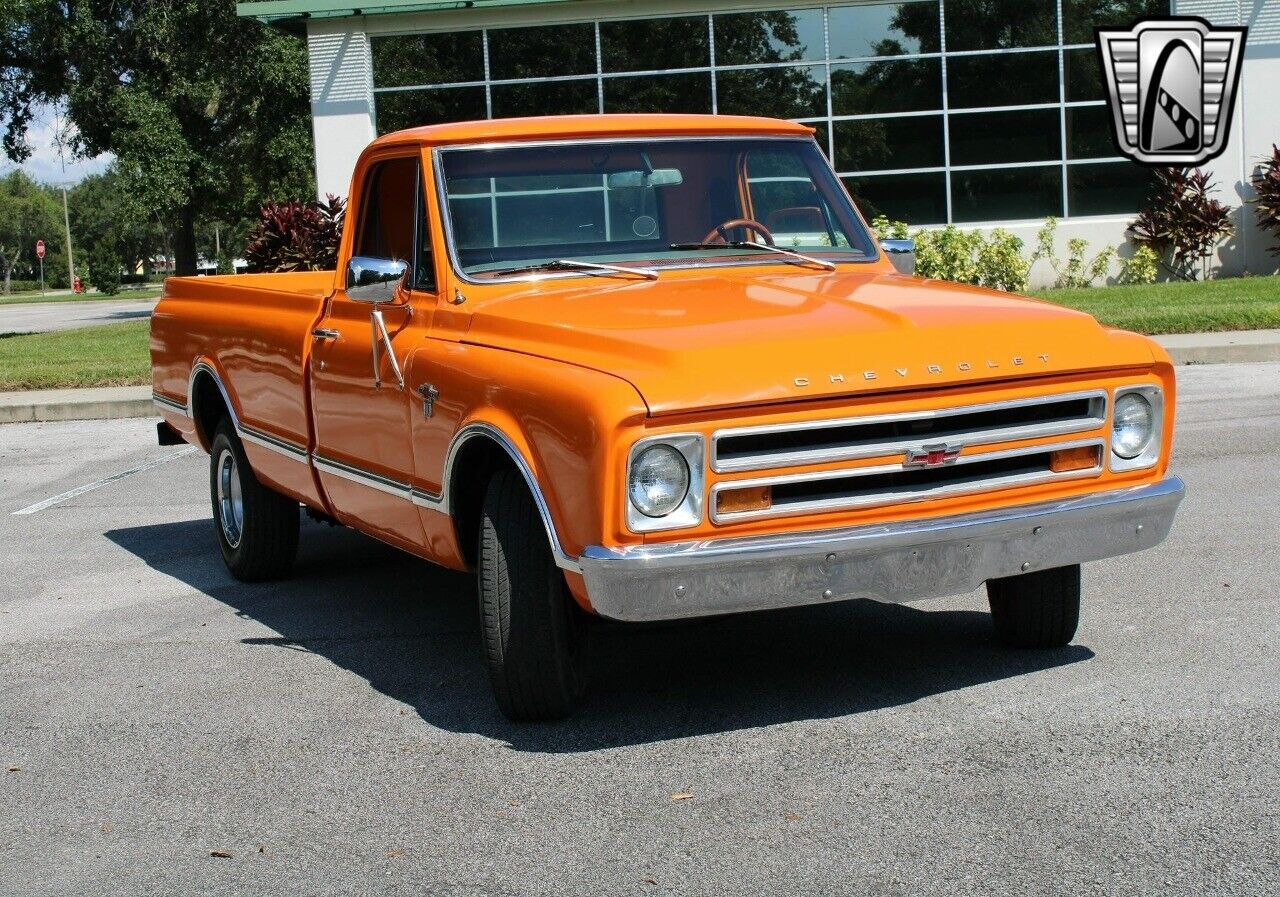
<point x="689" y="446"/>
<point x="1150" y="453"/>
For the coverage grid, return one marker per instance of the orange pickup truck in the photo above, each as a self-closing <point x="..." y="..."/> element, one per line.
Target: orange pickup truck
<point x="656" y="367"/>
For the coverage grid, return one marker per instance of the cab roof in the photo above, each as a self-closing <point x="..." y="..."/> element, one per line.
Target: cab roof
<point x="559" y="127"/>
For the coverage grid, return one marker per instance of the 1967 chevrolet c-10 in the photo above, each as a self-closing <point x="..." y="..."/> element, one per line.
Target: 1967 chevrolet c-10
<point x="654" y="367"/>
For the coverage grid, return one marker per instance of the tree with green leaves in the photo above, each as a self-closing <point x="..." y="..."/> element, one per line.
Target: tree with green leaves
<point x="27" y="214"/>
<point x="206" y="113"/>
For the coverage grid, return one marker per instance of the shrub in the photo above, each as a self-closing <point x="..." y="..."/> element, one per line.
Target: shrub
<point x="948" y="254"/>
<point x="1182" y="224"/>
<point x="297" y="236"/>
<point x="1266" y="188"/>
<point x="1000" y="262"/>
<point x="1141" y="267"/>
<point x="888" y="230"/>
<point x="1075" y="272"/>
<point x="104" y="269"/>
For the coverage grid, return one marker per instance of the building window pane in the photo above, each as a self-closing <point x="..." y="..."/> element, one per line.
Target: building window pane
<point x="913" y="198"/>
<point x="820" y="132"/>
<point x="791" y="92"/>
<point x="1108" y="188"/>
<point x="1000" y="25"/>
<point x="659" y="93"/>
<point x="1007" y="194"/>
<point x="1089" y="133"/>
<point x="985" y="138"/>
<point x="781" y="36"/>
<point x="883" y="29"/>
<point x="1008" y="79"/>
<point x="414" y="59"/>
<point x="545" y="98"/>
<point x="655" y="44"/>
<point x="1080" y="17"/>
<point x="884" y="143"/>
<point x="472" y="220"/>
<point x="542" y="52"/>
<point x="1083" y="75"/>
<point x="410" y="108"/>
<point x="907" y="85"/>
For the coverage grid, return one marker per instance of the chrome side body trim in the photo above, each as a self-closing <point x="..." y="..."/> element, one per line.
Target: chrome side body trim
<point x="290" y="450"/>
<point x="900" y="446"/>
<point x="895" y="562"/>
<point x="483" y="430"/>
<point x="273" y="443"/>
<point x="903" y="495"/>
<point x="164" y="403"/>
<point x="396" y="488"/>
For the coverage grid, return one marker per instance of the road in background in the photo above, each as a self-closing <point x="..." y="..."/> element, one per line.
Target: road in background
<point x="334" y="734"/>
<point x="41" y="317"/>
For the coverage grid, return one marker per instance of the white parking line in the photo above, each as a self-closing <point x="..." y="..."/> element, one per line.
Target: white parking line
<point x="81" y="490"/>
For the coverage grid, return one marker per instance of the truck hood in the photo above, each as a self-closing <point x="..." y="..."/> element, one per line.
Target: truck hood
<point x="701" y="340"/>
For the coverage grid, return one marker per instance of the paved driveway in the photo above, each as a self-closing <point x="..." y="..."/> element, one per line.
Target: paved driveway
<point x="334" y="733"/>
<point x="45" y="316"/>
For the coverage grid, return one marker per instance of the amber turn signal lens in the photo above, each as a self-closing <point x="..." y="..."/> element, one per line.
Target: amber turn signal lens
<point x="735" y="501"/>
<point x="1081" y="458"/>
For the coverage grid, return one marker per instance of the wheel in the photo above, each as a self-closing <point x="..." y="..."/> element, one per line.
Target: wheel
<point x="1036" y="610"/>
<point x="534" y="634"/>
<point x="257" y="529"/>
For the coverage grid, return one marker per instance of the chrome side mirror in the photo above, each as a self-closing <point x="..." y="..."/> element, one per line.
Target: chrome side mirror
<point x="376" y="281"/>
<point x="902" y="253"/>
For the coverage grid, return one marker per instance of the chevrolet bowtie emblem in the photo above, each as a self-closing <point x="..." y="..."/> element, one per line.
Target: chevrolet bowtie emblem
<point x="932" y="455"/>
<point x="1172" y="85"/>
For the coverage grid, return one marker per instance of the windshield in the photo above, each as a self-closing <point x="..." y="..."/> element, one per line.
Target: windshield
<point x="649" y="202"/>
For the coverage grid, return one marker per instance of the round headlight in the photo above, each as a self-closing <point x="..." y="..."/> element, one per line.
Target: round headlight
<point x="1132" y="425"/>
<point x="659" y="481"/>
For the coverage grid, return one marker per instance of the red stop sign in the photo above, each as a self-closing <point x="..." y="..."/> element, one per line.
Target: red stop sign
<point x="40" y="249"/>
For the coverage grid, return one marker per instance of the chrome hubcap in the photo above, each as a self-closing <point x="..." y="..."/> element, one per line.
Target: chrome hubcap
<point x="230" y="499"/>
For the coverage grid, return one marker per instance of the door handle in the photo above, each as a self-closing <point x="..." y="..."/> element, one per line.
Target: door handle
<point x="320" y="333"/>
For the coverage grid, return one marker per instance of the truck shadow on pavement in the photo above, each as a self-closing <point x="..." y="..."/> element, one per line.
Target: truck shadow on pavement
<point x="410" y="630"/>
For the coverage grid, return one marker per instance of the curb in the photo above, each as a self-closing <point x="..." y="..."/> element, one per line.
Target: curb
<point x="1234" y="347"/>
<point x="76" y="404"/>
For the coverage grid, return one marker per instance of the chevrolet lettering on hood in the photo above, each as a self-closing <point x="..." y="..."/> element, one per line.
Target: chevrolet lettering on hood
<point x="962" y="367"/>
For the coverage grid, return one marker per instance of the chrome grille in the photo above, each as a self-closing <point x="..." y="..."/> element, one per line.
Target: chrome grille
<point x="886" y="435"/>
<point x="890" y="484"/>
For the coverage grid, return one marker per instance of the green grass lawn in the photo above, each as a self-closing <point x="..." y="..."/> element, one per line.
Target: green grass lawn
<point x="1241" y="303"/>
<point x="28" y="298"/>
<point x="110" y="355"/>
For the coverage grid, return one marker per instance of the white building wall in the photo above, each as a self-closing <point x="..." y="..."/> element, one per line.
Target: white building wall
<point x="342" y="110"/>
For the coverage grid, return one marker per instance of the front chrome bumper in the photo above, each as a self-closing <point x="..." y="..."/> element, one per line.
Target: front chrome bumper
<point x="889" y="562"/>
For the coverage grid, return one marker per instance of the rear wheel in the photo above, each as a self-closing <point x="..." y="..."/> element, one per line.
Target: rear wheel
<point x="534" y="634"/>
<point x="1036" y="610"/>
<point x="257" y="528"/>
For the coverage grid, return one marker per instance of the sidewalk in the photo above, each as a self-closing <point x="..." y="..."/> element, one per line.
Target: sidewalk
<point x="135" y="401"/>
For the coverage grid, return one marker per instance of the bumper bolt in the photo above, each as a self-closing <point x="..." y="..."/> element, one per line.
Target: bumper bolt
<point x="1037" y="531"/>
<point x="827" y="593"/>
<point x="1026" y="565"/>
<point x="680" y="591"/>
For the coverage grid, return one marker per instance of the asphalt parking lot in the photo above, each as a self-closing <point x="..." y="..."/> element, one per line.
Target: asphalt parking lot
<point x="166" y="730"/>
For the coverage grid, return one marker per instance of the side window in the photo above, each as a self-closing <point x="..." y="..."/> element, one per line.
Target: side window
<point x="393" y="220"/>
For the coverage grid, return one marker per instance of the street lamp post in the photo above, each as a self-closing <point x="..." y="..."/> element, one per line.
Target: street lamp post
<point x="66" y="221"/>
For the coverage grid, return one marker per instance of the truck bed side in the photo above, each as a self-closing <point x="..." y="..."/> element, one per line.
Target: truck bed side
<point x="253" y="332"/>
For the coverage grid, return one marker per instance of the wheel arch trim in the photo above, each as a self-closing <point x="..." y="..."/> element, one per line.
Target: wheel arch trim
<point x="485" y="430"/>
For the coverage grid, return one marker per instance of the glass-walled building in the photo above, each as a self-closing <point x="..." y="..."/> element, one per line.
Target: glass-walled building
<point x="972" y="112"/>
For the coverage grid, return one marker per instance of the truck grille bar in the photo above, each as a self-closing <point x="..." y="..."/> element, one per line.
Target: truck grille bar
<point x="891" y="484"/>
<point x="886" y="435"/>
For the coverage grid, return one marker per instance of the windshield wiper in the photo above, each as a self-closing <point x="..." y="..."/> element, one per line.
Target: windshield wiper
<point x="593" y="268"/>
<point x="743" y="244"/>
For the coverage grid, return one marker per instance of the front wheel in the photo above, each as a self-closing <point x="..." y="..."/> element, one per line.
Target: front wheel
<point x="257" y="528"/>
<point x="535" y="637"/>
<point x="1036" y="610"/>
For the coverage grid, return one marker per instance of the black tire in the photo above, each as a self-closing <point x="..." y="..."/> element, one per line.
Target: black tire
<point x="1036" y="610"/>
<point x="534" y="634"/>
<point x="260" y="543"/>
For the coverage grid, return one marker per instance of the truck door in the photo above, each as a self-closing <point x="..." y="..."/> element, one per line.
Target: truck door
<point x="361" y="397"/>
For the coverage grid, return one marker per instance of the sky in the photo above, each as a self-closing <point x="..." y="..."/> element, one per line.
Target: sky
<point x="45" y="165"/>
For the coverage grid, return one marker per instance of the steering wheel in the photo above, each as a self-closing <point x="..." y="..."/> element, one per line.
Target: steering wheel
<point x="720" y="233"/>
